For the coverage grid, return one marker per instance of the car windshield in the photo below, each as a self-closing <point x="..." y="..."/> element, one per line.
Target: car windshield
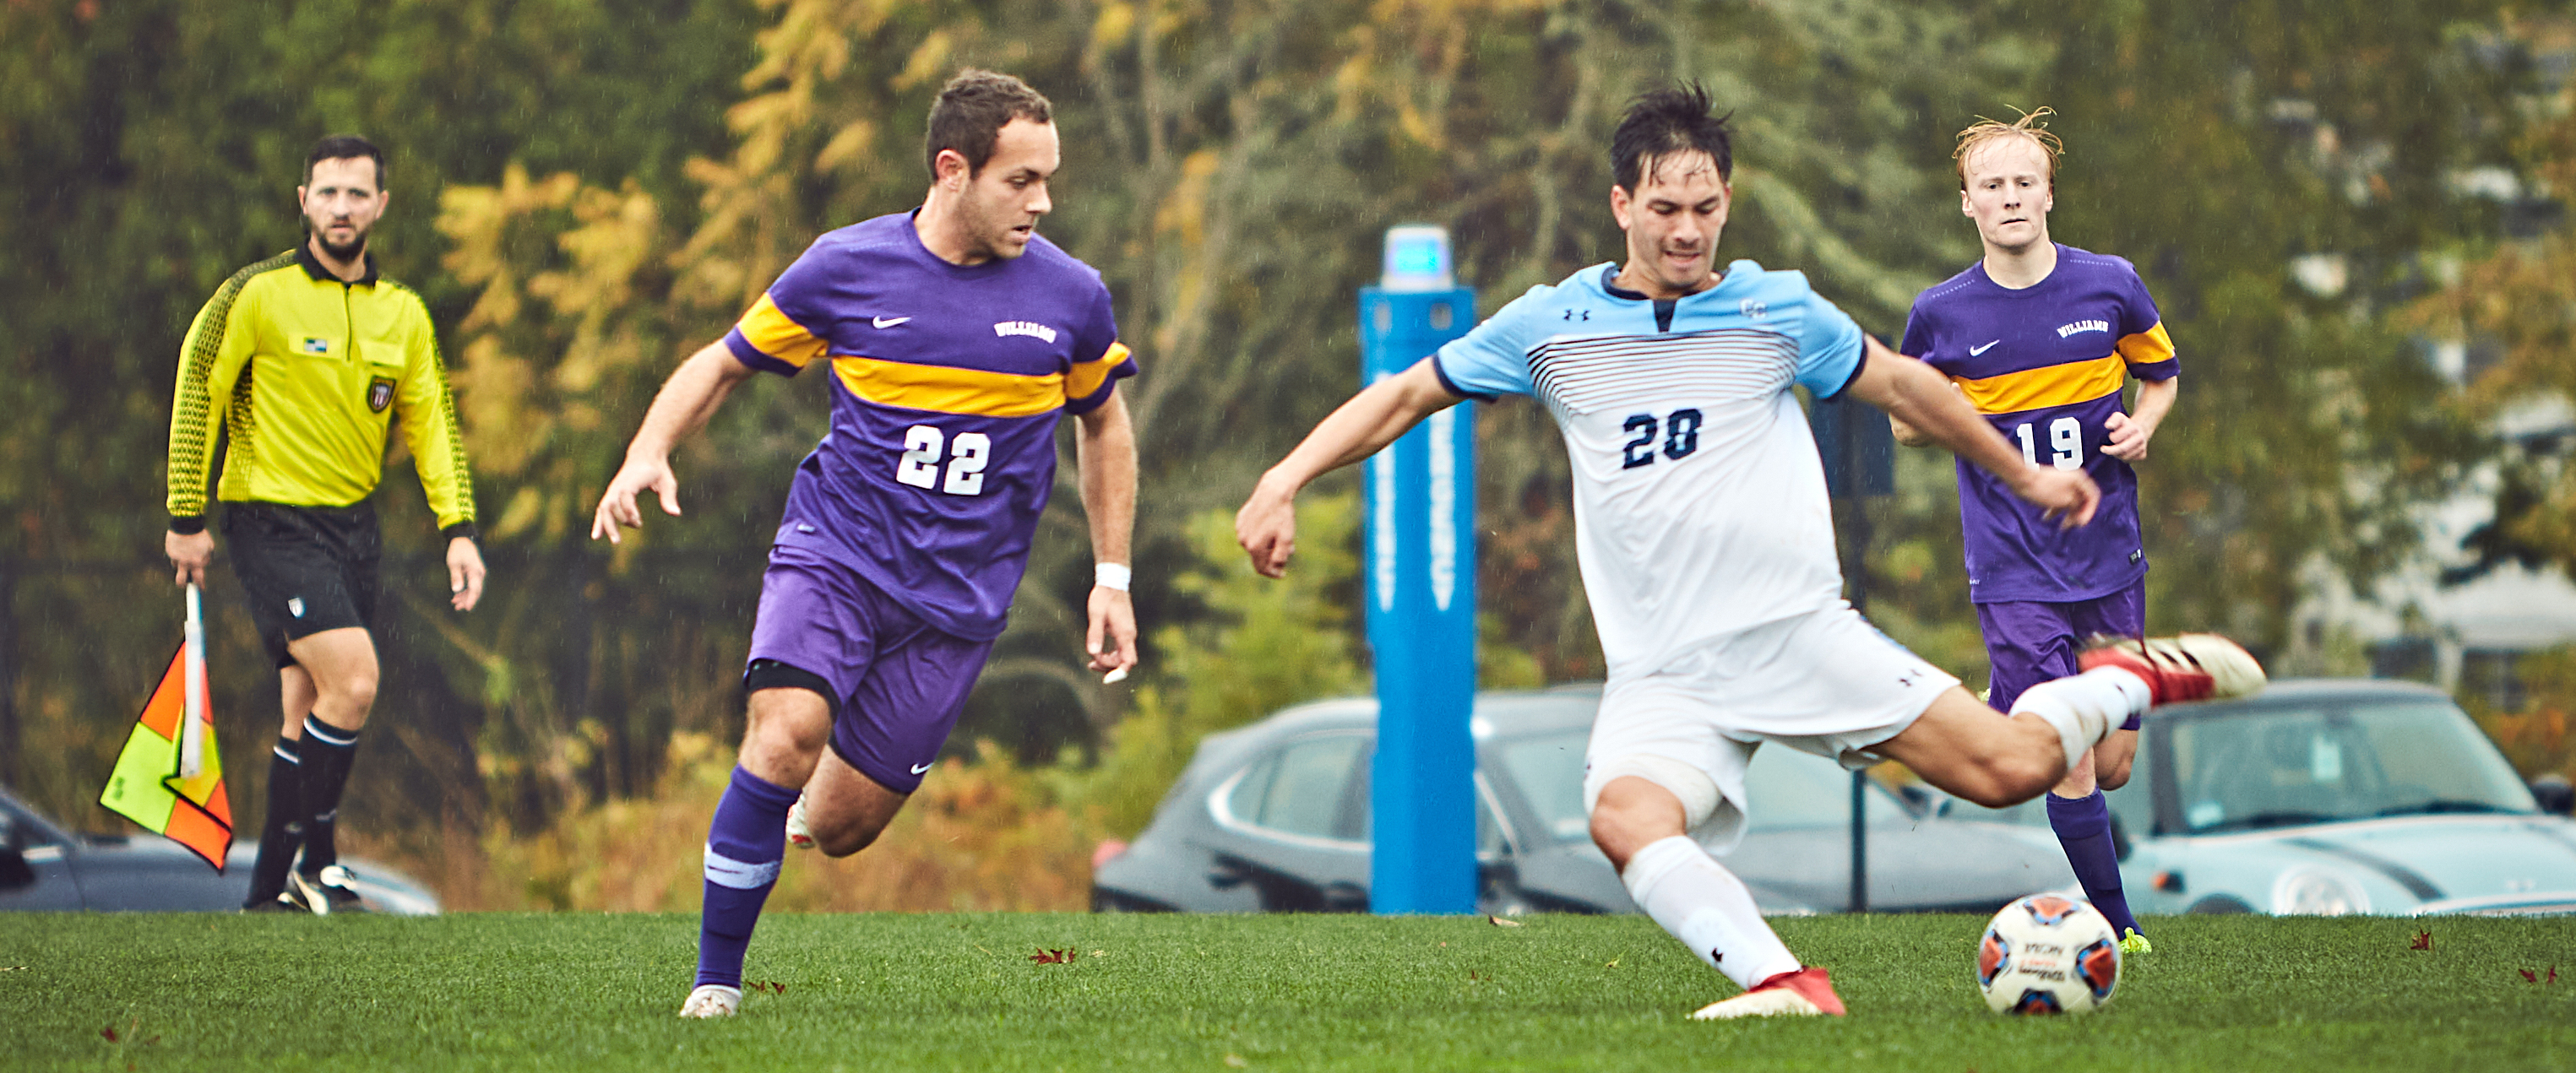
<point x="2292" y="765"/>
<point x="1790" y="789"/>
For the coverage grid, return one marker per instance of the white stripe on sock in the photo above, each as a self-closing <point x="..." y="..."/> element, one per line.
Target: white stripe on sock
<point x="725" y="871"/>
<point x="329" y="734"/>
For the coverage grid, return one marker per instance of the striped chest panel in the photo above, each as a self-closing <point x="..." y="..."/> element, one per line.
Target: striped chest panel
<point x="1579" y="376"/>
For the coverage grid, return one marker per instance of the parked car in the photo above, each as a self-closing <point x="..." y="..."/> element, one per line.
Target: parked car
<point x="2332" y="796"/>
<point x="1275" y="817"/>
<point x="43" y="867"/>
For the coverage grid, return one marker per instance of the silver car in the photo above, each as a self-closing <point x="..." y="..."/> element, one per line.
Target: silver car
<point x="1274" y="817"/>
<point x="2330" y="797"/>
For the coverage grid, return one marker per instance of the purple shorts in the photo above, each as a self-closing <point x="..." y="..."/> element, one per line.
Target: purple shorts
<point x="2031" y="642"/>
<point x="897" y="684"/>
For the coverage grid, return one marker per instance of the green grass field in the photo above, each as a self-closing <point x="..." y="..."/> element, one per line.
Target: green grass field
<point x="925" y="992"/>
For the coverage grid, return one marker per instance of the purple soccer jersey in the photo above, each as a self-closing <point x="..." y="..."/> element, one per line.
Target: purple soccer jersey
<point x="949" y="382"/>
<point x="2046" y="365"/>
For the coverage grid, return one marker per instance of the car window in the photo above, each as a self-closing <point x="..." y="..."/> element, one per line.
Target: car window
<point x="1548" y="769"/>
<point x="1792" y="790"/>
<point x="2285" y="766"/>
<point x="1306" y="789"/>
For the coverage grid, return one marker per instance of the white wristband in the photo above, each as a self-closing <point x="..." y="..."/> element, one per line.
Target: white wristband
<point x="1112" y="576"/>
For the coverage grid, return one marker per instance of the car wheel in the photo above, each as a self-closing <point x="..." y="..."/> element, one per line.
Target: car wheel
<point x="2220" y="903"/>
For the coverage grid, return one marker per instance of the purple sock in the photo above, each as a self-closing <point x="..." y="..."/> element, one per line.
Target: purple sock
<point x="2083" y="826"/>
<point x="744" y="846"/>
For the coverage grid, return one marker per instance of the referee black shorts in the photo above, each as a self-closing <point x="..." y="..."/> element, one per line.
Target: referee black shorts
<point x="304" y="569"/>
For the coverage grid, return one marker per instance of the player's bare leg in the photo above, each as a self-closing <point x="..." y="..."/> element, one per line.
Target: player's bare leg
<point x="1977" y="753"/>
<point x="844" y="810"/>
<point x="1644" y="829"/>
<point x="746" y="841"/>
<point x="340" y="672"/>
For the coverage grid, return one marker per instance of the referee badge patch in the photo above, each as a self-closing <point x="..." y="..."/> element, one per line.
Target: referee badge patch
<point x="380" y="393"/>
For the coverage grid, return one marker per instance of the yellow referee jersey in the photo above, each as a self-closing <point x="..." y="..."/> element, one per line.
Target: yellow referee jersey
<point x="305" y="373"/>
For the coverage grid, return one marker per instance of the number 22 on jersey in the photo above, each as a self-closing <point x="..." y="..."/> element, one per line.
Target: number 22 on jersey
<point x="923" y="449"/>
<point x="2065" y="443"/>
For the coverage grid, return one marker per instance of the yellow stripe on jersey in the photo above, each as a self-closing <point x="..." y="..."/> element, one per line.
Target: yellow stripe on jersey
<point x="2147" y="347"/>
<point x="948" y="390"/>
<point x="2054" y="385"/>
<point x="773" y="333"/>
<point x="1088" y="376"/>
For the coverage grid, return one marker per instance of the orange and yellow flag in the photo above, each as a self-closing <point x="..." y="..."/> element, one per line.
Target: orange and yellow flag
<point x="149" y="786"/>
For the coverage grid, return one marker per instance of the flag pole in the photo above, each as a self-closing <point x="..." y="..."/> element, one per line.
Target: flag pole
<point x="192" y="733"/>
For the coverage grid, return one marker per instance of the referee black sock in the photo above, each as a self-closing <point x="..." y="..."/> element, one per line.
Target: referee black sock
<point x="282" y="830"/>
<point x="328" y="751"/>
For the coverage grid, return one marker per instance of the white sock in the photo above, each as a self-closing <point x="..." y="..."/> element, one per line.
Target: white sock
<point x="1707" y="908"/>
<point x="2086" y="708"/>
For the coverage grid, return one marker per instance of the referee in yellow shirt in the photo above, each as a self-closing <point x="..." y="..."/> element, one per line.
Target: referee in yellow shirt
<point x="303" y="362"/>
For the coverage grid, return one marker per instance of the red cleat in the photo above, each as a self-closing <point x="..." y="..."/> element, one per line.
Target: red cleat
<point x="2188" y="667"/>
<point x="1808" y="992"/>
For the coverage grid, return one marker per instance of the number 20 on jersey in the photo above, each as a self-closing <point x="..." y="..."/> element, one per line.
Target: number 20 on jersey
<point x="925" y="448"/>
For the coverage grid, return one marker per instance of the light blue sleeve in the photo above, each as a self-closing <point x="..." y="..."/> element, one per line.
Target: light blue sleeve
<point x="1493" y="358"/>
<point x="1829" y="343"/>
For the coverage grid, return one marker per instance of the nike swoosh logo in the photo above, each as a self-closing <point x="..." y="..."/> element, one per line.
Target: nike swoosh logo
<point x="888" y="322"/>
<point x="1972" y="351"/>
<point x="919" y="768"/>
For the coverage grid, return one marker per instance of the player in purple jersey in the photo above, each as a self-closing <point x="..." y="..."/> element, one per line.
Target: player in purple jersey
<point x="956" y="339"/>
<point x="2042" y="339"/>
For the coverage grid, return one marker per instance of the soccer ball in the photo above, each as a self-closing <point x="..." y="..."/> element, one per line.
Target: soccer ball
<point x="2048" y="954"/>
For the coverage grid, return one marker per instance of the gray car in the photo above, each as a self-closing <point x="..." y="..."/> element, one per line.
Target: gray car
<point x="1274" y="817"/>
<point x="45" y="867"/>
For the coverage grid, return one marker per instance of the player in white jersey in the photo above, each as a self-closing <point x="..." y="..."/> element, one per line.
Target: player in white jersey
<point x="1707" y="547"/>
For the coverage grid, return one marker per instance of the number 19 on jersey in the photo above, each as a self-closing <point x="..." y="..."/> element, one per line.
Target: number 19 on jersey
<point x="2065" y="442"/>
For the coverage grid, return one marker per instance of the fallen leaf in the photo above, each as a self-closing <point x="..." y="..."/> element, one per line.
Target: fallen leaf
<point x="2423" y="941"/>
<point x="1055" y="957"/>
<point x="1610" y="964"/>
<point x="1100" y="953"/>
<point x="1502" y="923"/>
<point x="2528" y="976"/>
<point x="110" y="1031"/>
<point x="1236" y="1061"/>
<point x="2553" y="974"/>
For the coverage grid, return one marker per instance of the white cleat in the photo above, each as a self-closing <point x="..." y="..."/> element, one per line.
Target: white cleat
<point x="712" y="1000"/>
<point x="799" y="835"/>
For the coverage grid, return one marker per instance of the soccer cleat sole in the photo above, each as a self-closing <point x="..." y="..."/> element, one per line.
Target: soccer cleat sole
<point x="711" y="1001"/>
<point x="2134" y="944"/>
<point x="2183" y="668"/>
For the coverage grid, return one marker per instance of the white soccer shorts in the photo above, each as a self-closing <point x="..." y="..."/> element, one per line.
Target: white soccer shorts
<point x="1826" y="682"/>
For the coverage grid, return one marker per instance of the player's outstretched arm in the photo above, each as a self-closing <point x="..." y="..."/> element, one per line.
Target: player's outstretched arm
<point x="1911" y="392"/>
<point x="1105" y="450"/>
<point x="687" y="399"/>
<point x="1267" y="524"/>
